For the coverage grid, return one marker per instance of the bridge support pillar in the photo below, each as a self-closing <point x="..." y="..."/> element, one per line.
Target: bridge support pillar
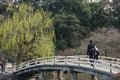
<point x="93" y="77"/>
<point x="74" y="75"/>
<point x="41" y="76"/>
<point x="59" y="75"/>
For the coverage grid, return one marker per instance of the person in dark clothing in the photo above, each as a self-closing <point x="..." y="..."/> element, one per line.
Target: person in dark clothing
<point x="3" y="65"/>
<point x="91" y="50"/>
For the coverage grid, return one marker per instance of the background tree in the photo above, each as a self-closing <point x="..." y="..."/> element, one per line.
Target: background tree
<point x="98" y="17"/>
<point x="71" y="21"/>
<point x="3" y="5"/>
<point x="73" y="7"/>
<point x="27" y="34"/>
<point x="68" y="31"/>
<point x="116" y="16"/>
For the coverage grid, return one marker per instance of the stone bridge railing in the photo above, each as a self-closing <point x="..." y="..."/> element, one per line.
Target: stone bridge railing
<point x="105" y="65"/>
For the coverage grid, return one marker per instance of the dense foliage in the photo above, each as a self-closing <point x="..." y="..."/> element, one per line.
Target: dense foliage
<point x="32" y="29"/>
<point x="68" y="28"/>
<point x="27" y="34"/>
<point x="70" y="22"/>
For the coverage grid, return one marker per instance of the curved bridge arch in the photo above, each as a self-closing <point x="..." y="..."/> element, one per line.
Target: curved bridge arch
<point x="104" y="67"/>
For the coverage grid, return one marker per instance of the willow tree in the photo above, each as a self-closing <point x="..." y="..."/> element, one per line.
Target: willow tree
<point x="28" y="34"/>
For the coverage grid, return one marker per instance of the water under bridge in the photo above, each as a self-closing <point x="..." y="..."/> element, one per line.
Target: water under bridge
<point x="105" y="67"/>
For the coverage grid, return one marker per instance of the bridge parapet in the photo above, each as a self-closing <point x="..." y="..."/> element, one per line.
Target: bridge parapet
<point x="80" y="63"/>
<point x="68" y="60"/>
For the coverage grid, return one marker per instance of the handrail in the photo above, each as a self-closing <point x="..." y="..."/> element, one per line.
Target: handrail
<point x="79" y="60"/>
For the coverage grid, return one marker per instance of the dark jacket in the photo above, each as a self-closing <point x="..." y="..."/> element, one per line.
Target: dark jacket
<point x="91" y="49"/>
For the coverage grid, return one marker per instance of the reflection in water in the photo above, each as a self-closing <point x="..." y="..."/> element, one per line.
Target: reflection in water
<point x="67" y="76"/>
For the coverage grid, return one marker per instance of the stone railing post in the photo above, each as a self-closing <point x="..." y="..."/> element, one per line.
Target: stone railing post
<point x="94" y="62"/>
<point x="73" y="75"/>
<point x="41" y="76"/>
<point x="110" y="71"/>
<point x="54" y="59"/>
<point x="65" y="60"/>
<point x="14" y="67"/>
<point x="92" y="77"/>
<point x="59" y="75"/>
<point x="79" y="60"/>
<point x="21" y="65"/>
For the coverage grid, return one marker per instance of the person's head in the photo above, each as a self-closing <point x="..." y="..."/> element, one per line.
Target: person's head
<point x="90" y="41"/>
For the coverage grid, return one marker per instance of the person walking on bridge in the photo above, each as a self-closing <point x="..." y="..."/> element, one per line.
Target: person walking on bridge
<point x="91" y="51"/>
<point x="3" y="64"/>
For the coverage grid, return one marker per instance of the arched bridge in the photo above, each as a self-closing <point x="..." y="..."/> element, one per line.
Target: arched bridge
<point x="105" y="67"/>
